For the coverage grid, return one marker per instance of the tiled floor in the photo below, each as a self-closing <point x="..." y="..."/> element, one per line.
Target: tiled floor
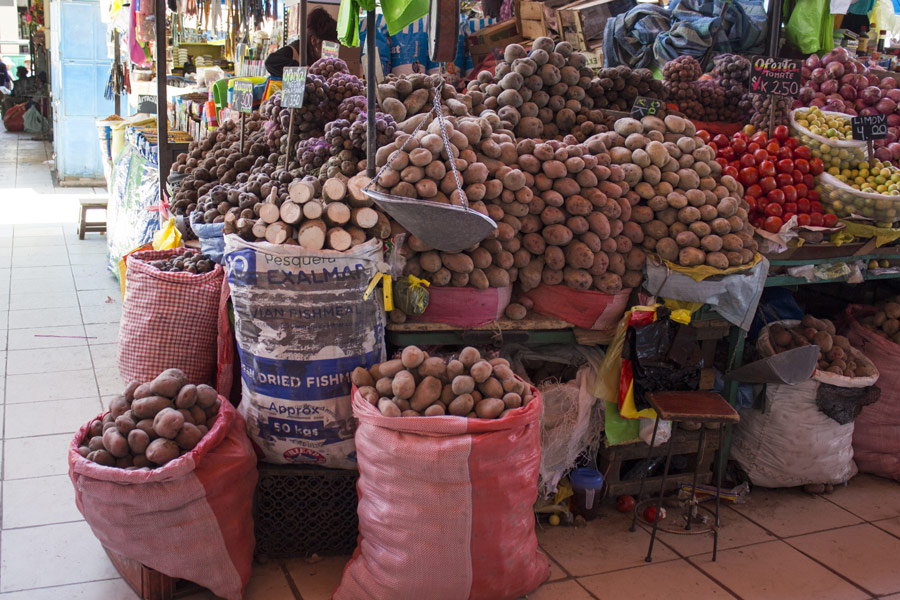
<point x="59" y="316"/>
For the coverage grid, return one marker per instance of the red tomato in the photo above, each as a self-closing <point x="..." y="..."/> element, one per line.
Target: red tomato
<point x="703" y="135"/>
<point x="729" y="170"/>
<point x="722" y="162"/>
<point x="767" y="168"/>
<point x="787" y="216"/>
<point x="785" y="165"/>
<point x="802" y="165"/>
<point x="749" y="176"/>
<point x="625" y="503"/>
<point x="727" y="153"/>
<point x="784" y="152"/>
<point x="760" y="138"/>
<point x="714" y="146"/>
<point x="761" y="204"/>
<point x="747" y="160"/>
<point x="802" y="152"/>
<point x="776" y="196"/>
<point x="739" y="145"/>
<point x="721" y="140"/>
<point x="803" y="219"/>
<point x="783" y="179"/>
<point x="830" y="220"/>
<point x="774" y="210"/>
<point x="802" y="190"/>
<point x="754" y="190"/>
<point x="650" y="514"/>
<point x="773" y="224"/>
<point x="815" y="207"/>
<point x="753" y="148"/>
<point x="781" y="133"/>
<point x="751" y="201"/>
<point x="816" y="219"/>
<point x="813" y="195"/>
<point x="809" y="180"/>
<point x="790" y="207"/>
<point x="803" y="205"/>
<point x="790" y="194"/>
<point x="792" y="143"/>
<point x="759" y="156"/>
<point x="773" y="148"/>
<point x="816" y="166"/>
<point x="767" y="184"/>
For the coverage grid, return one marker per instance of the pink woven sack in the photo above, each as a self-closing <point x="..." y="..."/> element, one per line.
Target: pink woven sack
<point x="189" y="519"/>
<point x="168" y="319"/>
<point x="481" y="306"/>
<point x="446" y="507"/>
<point x="876" y="430"/>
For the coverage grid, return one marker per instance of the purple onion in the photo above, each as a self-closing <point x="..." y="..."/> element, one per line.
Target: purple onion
<point x="873" y="79"/>
<point x="868" y="111"/>
<point x="850" y="111"/>
<point x="855" y="66"/>
<point x="862" y="82"/>
<point x="883" y="154"/>
<point x="817" y="101"/>
<point x="818" y="75"/>
<point x="829" y="86"/>
<point x="894" y="94"/>
<point x="834" y="70"/>
<point x="859" y="104"/>
<point x="835" y="105"/>
<point x="804" y="72"/>
<point x="813" y="61"/>
<point x="848" y="78"/>
<point x="888" y="83"/>
<point x="798" y="104"/>
<point x="894" y="147"/>
<point x="886" y="106"/>
<point x="848" y="92"/>
<point x="871" y="95"/>
<point x="812" y="85"/>
<point x="893" y="135"/>
<point x="806" y="94"/>
<point x="893" y="120"/>
<point x="839" y="54"/>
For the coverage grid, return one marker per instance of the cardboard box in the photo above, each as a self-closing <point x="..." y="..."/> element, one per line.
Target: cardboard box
<point x="581" y="23"/>
<point x="500" y="35"/>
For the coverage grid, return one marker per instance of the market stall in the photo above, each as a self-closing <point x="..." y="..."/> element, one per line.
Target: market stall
<point x="483" y="293"/>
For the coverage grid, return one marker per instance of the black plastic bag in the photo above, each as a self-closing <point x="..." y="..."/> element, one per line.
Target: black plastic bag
<point x="843" y="404"/>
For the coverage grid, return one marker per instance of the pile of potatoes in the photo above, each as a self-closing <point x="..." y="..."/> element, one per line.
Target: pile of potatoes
<point x="690" y="213"/>
<point x="190" y="262"/>
<point x="409" y="99"/>
<point x="416" y="385"/>
<point x="885" y="322"/>
<point x="152" y="423"/>
<point x="835" y="353"/>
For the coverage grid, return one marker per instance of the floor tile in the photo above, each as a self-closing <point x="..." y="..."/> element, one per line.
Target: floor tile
<point x="790" y="512"/>
<point x="47" y="360"/>
<point x="66" y="553"/>
<point x="44" y="317"/>
<point x="317" y="581"/>
<point x="773" y="571"/>
<point x="63" y="385"/>
<point x="41" y="241"/>
<point x="735" y="531"/>
<point x="890" y="525"/>
<point x="267" y="582"/>
<point x="870" y="498"/>
<point x="35" y="300"/>
<point x="45" y="284"/>
<point x="35" y="457"/>
<point x="102" y="313"/>
<point x="556" y="571"/>
<point x="604" y="545"/>
<point x="42" y="260"/>
<point x="42" y="231"/>
<point x="47" y="337"/>
<point x="864" y="554"/>
<point x="673" y="580"/>
<point x="98" y="297"/>
<point x="56" y="272"/>
<point x="102" y="333"/>
<point x="39" y="501"/>
<point x="109" y="381"/>
<point x="111" y="589"/>
<point x="104" y="355"/>
<point x="51" y="417"/>
<point x="561" y="590"/>
<point x="98" y="281"/>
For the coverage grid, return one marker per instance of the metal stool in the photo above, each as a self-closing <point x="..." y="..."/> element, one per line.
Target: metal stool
<point x="677" y="407"/>
<point x="85" y="226"/>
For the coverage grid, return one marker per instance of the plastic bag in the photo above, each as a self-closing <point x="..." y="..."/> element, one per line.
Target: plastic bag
<point x="810" y="26"/>
<point x="133" y="192"/>
<point x="663" y="432"/>
<point x="34" y="122"/>
<point x="190" y="519"/>
<point x="168" y="237"/>
<point x="14" y="118"/>
<point x="844" y="404"/>
<point x="467" y="533"/>
<point x="211" y="237"/>
<point x="411" y="295"/>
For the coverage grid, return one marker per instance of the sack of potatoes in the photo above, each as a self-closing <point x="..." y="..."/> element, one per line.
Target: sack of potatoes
<point x="835" y="353"/>
<point x="886" y="321"/>
<point x="418" y="385"/>
<point x="152" y="423"/>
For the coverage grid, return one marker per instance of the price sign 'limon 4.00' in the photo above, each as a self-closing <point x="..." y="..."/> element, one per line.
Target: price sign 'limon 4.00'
<point x="242" y="97"/>
<point x="293" y="87"/>
<point x="776" y="76"/>
<point x="871" y="127"/>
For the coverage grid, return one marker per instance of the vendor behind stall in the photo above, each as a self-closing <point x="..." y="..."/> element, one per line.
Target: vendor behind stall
<point x="321" y="27"/>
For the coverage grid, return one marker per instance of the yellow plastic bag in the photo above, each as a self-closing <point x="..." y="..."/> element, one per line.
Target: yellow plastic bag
<point x="123" y="266"/>
<point x="168" y="237"/>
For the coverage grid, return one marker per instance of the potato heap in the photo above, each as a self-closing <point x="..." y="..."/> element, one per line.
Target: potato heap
<point x="416" y="385"/>
<point x="885" y="322"/>
<point x="407" y="98"/>
<point x="152" y="423"/>
<point x="549" y="91"/>
<point x="683" y="68"/>
<point x="732" y="73"/>
<point x="190" y="262"/>
<point x="835" y="353"/>
<point x="690" y="214"/>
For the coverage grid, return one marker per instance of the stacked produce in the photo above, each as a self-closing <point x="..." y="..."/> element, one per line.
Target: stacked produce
<point x="190" y="262"/>
<point x="835" y="353"/>
<point x="778" y="178"/>
<point x="689" y="212"/>
<point x="152" y="423"/>
<point x="760" y="109"/>
<point x="732" y="73"/>
<point x="709" y="99"/>
<point x="408" y="98"/>
<point x="417" y="385"/>
<point x="885" y="322"/>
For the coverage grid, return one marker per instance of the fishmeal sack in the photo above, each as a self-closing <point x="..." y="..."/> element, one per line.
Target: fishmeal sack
<point x="302" y="326"/>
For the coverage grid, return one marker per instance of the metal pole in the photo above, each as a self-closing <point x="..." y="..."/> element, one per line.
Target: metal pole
<point x="304" y="36"/>
<point x="118" y="99"/>
<point x="370" y="94"/>
<point x="162" y="103"/>
<point x="775" y="7"/>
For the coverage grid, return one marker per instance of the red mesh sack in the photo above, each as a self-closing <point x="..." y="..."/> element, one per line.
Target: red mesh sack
<point x="587" y="309"/>
<point x="168" y="319"/>
<point x="446" y="507"/>
<point x="189" y="519"/>
<point x="14" y="119"/>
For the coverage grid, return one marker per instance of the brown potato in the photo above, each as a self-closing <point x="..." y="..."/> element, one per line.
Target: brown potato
<point x="187" y="396"/>
<point x="188" y="437"/>
<point x="115" y="443"/>
<point x="361" y="378"/>
<point x="403" y="385"/>
<point x="168" y="383"/>
<point x="168" y="422"/>
<point x="162" y="450"/>
<point x="206" y="396"/>
<point x="426" y="393"/>
<point x="412" y="357"/>
<point x="462" y="384"/>
<point x="489" y="408"/>
<point x="147" y="408"/>
<point x="118" y="406"/>
<point x="433" y="366"/>
<point x="462" y="405"/>
<point x="468" y="356"/>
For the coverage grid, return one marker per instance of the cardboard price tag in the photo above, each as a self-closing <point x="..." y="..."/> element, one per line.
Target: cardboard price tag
<point x="644" y="107"/>
<point x="872" y="127"/>
<point x="331" y="49"/>
<point x="147" y="104"/>
<point x="242" y="97"/>
<point x="293" y="87"/>
<point x="775" y="76"/>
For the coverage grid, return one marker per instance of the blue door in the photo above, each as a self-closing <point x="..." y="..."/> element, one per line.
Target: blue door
<point x="79" y="72"/>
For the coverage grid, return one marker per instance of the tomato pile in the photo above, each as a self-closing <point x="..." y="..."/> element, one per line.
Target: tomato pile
<point x="777" y="175"/>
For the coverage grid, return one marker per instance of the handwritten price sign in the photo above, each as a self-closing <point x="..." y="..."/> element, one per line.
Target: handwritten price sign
<point x="872" y="127"/>
<point x="775" y="76"/>
<point x="644" y="106"/>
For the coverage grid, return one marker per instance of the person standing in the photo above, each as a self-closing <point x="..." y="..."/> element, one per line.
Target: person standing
<point x="320" y="27"/>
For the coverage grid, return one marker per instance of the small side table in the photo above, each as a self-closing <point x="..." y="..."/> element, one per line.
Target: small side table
<point x="85" y="226"/>
<point x="678" y="407"/>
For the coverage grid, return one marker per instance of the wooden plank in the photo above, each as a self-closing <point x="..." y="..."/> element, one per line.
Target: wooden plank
<point x="530" y="322"/>
<point x="532" y="30"/>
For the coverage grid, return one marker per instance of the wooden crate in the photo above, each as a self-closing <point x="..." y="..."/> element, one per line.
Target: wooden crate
<point x="582" y="23"/>
<point x="530" y="19"/>
<point x="615" y="457"/>
<point x="149" y="584"/>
